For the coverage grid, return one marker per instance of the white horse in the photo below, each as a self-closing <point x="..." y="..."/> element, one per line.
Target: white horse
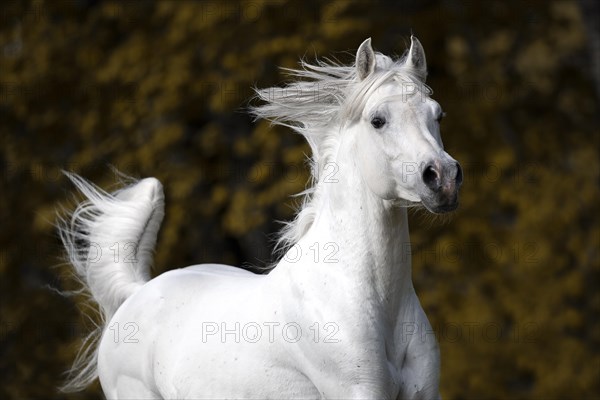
<point x="338" y="317"/>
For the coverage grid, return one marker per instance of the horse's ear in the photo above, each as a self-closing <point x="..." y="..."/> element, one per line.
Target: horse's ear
<point x="416" y="58"/>
<point x="365" y="60"/>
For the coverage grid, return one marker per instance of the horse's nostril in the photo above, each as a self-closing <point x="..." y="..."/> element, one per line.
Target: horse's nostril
<point x="459" y="174"/>
<point x="431" y="177"/>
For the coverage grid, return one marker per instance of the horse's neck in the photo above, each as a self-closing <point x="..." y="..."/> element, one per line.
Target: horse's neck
<point x="372" y="235"/>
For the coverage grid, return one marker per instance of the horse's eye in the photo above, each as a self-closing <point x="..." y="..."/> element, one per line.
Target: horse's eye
<point x="378" y="122"/>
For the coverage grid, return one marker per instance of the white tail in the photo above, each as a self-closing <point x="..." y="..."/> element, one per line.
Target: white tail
<point x="110" y="240"/>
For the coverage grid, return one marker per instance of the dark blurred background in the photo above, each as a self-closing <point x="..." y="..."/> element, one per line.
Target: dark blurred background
<point x="510" y="281"/>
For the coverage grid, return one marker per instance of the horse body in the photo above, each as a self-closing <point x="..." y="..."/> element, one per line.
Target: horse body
<point x="338" y="316"/>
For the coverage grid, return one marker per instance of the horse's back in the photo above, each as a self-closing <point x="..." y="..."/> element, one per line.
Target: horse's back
<point x="164" y="295"/>
<point x="216" y="270"/>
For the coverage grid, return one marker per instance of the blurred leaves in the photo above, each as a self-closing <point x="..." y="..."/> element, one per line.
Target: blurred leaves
<point x="510" y="282"/>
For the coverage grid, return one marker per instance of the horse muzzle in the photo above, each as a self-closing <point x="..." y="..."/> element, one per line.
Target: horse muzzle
<point x="441" y="180"/>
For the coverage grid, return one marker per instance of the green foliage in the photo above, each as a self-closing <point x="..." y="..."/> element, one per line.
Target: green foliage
<point x="510" y="281"/>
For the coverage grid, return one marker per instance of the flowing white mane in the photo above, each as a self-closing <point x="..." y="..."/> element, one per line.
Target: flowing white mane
<point x="319" y="106"/>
